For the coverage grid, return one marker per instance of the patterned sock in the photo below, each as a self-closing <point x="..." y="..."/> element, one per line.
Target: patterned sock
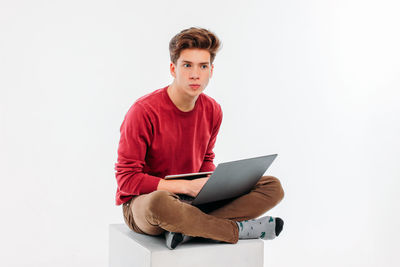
<point x="266" y="228"/>
<point x="172" y="240"/>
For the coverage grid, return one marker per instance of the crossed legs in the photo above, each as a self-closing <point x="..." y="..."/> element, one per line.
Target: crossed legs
<point x="162" y="211"/>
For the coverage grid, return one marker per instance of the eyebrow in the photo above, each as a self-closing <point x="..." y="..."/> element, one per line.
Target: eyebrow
<point x="201" y="63"/>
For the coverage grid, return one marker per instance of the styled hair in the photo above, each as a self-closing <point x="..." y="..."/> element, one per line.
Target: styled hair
<point x="194" y="38"/>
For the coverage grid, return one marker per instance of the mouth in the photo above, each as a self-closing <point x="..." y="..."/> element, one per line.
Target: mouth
<point x="194" y="86"/>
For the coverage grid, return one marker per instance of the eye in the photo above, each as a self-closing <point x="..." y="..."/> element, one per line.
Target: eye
<point x="204" y="66"/>
<point x="187" y="65"/>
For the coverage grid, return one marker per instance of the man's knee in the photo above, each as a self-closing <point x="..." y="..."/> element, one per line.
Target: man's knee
<point x="275" y="188"/>
<point x="280" y="193"/>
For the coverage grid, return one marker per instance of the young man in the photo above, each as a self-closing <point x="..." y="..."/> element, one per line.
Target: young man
<point x="171" y="131"/>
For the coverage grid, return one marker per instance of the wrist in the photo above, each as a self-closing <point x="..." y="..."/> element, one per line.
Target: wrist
<point x="184" y="187"/>
<point x="175" y="186"/>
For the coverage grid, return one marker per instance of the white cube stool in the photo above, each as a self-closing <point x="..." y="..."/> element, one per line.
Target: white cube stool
<point x="129" y="249"/>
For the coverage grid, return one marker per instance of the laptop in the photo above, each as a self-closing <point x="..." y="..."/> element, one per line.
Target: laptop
<point x="228" y="180"/>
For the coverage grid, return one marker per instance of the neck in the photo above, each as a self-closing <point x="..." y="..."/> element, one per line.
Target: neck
<point x="182" y="101"/>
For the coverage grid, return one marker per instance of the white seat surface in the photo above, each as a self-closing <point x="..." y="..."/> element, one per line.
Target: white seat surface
<point x="130" y="249"/>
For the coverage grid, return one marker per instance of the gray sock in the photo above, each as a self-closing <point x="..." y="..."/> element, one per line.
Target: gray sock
<point x="266" y="228"/>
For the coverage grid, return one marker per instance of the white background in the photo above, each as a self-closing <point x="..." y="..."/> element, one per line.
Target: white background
<point x="315" y="81"/>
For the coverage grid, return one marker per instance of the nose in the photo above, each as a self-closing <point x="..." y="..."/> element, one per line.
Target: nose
<point x="195" y="73"/>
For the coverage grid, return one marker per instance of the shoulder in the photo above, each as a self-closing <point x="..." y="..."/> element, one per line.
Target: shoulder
<point x="150" y="99"/>
<point x="142" y="106"/>
<point x="211" y="104"/>
<point x="212" y="110"/>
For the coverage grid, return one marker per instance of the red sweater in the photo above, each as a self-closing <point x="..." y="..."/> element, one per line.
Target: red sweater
<point x="158" y="139"/>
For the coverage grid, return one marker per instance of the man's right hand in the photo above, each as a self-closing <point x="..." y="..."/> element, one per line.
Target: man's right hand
<point x="187" y="187"/>
<point x="196" y="185"/>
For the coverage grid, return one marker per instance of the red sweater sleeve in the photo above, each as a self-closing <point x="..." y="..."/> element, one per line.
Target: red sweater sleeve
<point x="208" y="164"/>
<point x="136" y="135"/>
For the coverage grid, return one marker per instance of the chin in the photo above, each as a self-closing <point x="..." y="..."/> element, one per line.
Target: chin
<point x="194" y="93"/>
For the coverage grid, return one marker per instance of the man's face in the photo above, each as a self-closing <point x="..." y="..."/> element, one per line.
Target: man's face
<point x="192" y="71"/>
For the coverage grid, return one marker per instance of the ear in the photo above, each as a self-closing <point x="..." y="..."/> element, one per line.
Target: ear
<point x="172" y="69"/>
<point x="211" y="70"/>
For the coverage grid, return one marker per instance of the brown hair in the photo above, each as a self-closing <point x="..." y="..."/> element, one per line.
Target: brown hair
<point x="194" y="38"/>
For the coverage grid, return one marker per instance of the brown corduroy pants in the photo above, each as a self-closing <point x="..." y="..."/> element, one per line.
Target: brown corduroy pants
<point x="161" y="211"/>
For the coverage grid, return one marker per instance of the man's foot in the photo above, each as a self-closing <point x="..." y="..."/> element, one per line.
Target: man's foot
<point x="266" y="228"/>
<point x="172" y="240"/>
